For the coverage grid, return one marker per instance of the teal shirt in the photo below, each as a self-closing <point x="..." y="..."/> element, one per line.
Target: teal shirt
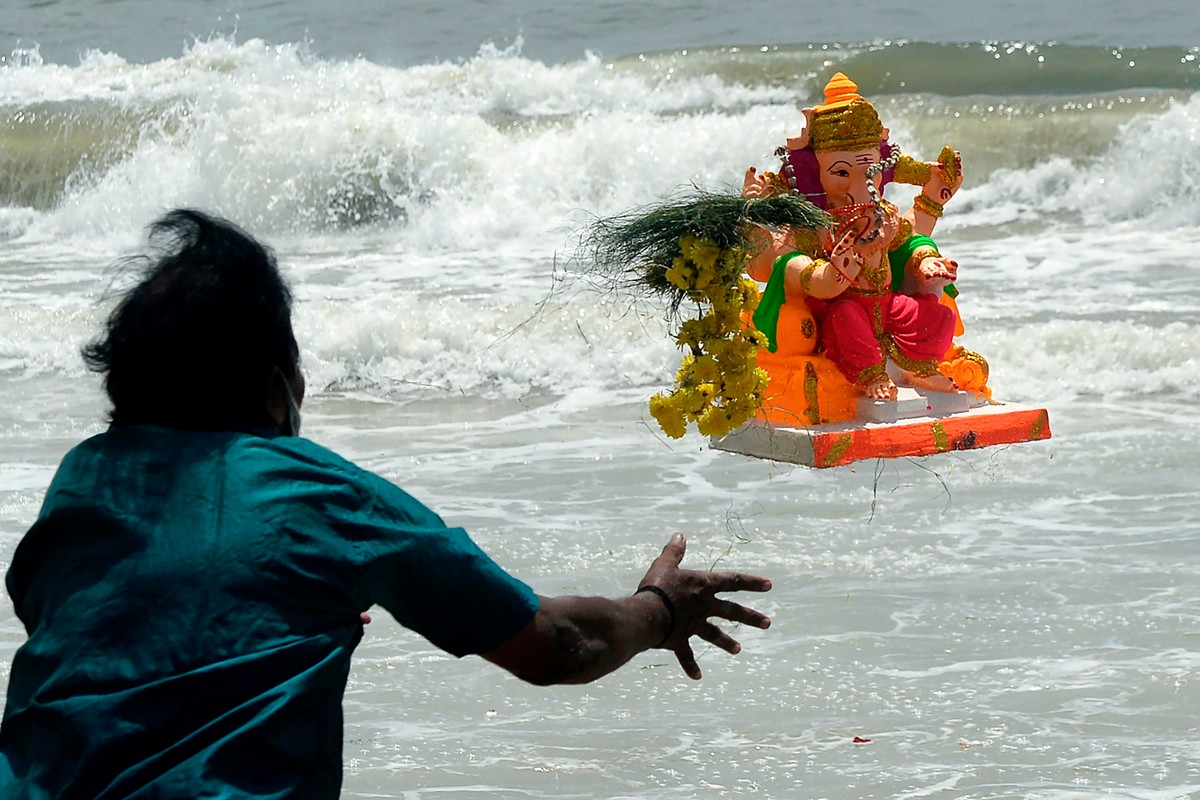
<point x="192" y="601"/>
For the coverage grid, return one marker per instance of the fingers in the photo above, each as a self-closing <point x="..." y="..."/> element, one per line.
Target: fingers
<point x="737" y="582"/>
<point x="674" y="549"/>
<point x="694" y="599"/>
<point x="718" y="638"/>
<point x="948" y="272"/>
<point x="750" y="183"/>
<point x="736" y="612"/>
<point x="715" y="636"/>
<point x="851" y="236"/>
<point x="939" y="269"/>
<point x="753" y="185"/>
<point x="687" y="660"/>
<point x="724" y="609"/>
<point x="846" y="260"/>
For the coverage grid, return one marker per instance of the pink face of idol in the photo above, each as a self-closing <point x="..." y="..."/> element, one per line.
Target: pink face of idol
<point x="844" y="176"/>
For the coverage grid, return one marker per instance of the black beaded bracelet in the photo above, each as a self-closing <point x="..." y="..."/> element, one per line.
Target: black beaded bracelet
<point x="668" y="602"/>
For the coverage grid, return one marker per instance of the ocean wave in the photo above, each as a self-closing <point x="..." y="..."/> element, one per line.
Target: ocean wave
<point x="396" y="341"/>
<point x="1117" y="360"/>
<point x="887" y="67"/>
<point x="1147" y="173"/>
<point x="504" y="146"/>
<point x="48" y="149"/>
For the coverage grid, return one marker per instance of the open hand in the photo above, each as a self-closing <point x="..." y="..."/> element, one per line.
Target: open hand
<point x="755" y="185"/>
<point x="935" y="273"/>
<point x="845" y="257"/>
<point x="945" y="177"/>
<point x="693" y="595"/>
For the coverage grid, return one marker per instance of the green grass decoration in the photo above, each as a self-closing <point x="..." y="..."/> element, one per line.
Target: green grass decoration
<point x="634" y="250"/>
<point x="695" y="248"/>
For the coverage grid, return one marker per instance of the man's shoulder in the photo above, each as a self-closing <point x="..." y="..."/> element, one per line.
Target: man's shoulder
<point x="302" y="460"/>
<point x="294" y="448"/>
<point x="258" y="450"/>
<point x="305" y="459"/>
<point x="259" y="456"/>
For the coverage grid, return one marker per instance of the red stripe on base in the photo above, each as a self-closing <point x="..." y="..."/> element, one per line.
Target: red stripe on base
<point x="927" y="437"/>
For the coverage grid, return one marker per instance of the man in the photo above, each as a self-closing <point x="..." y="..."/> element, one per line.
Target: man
<point x="199" y="575"/>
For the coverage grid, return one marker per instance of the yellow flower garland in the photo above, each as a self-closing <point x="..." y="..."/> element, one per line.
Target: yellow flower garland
<point x="719" y="385"/>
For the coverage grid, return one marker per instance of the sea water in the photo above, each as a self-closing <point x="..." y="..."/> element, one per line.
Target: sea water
<point x="1022" y="621"/>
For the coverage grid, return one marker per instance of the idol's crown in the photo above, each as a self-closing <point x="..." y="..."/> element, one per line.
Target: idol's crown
<point x="846" y="121"/>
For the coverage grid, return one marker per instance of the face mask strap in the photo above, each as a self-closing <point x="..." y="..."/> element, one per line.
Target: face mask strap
<point x="292" y="427"/>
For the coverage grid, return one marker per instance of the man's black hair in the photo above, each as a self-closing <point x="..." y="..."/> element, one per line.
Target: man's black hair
<point x="196" y="341"/>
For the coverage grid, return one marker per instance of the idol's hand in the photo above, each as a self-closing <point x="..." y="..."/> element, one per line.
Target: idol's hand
<point x="934" y="273"/>
<point x="765" y="245"/>
<point x="691" y="596"/>
<point x="846" y="259"/>
<point x="946" y="176"/>
<point x="886" y="225"/>
<point x="755" y="185"/>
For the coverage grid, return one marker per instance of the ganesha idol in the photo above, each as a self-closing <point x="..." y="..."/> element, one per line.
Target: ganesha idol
<point x="860" y="314"/>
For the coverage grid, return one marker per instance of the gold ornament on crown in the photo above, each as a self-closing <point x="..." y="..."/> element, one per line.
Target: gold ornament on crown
<point x="846" y="121"/>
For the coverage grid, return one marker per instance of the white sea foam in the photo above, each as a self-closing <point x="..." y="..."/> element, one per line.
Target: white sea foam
<point x="1012" y="622"/>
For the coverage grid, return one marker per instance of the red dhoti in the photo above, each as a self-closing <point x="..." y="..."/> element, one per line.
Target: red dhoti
<point x="861" y="331"/>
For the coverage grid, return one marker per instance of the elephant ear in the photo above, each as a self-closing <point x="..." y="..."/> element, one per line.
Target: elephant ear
<point x="800" y="142"/>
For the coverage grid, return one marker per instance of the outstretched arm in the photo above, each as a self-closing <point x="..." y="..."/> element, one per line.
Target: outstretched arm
<point x="945" y="177"/>
<point x="579" y="639"/>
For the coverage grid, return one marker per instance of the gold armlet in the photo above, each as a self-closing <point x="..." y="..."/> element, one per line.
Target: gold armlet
<point x="806" y="274"/>
<point x="949" y="164"/>
<point x="777" y="181"/>
<point x="903" y="232"/>
<point x="912" y="172"/>
<point x="807" y="241"/>
<point x="927" y="205"/>
<point x="774" y="183"/>
<point x="919" y="255"/>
